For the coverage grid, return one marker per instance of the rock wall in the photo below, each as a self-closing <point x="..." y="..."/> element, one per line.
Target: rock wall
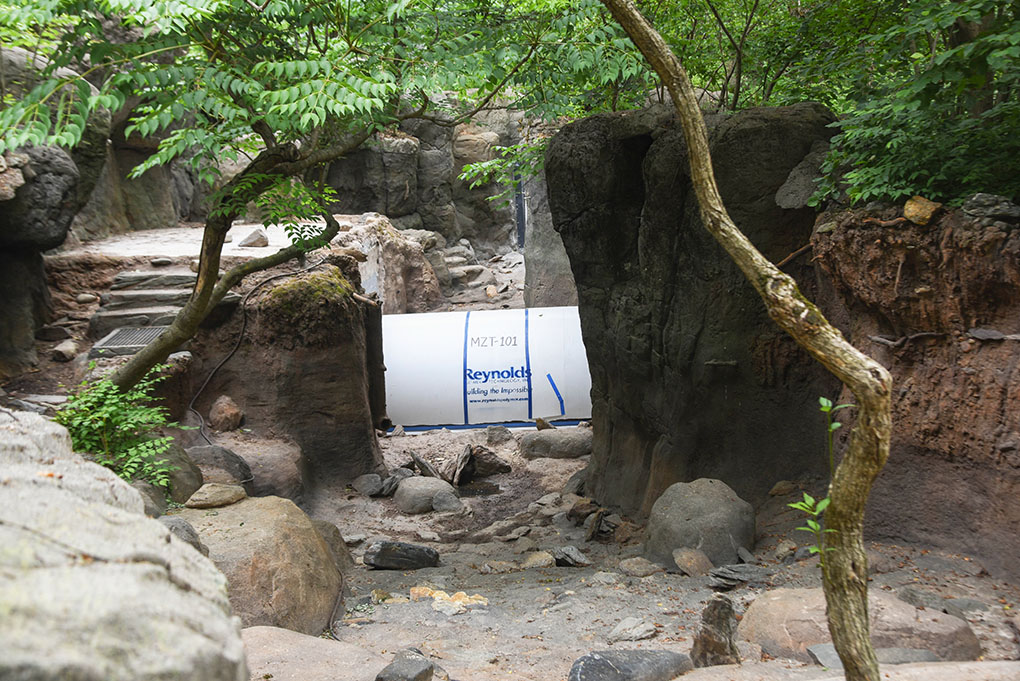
<point x="548" y="281"/>
<point x="89" y="587"/>
<point x="38" y="197"/>
<point x="690" y="378"/>
<point x="937" y="306"/>
<point x="411" y="176"/>
<point x="303" y="371"/>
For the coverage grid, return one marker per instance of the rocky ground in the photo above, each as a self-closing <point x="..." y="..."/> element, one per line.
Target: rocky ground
<point x="521" y="616"/>
<point x="537" y="620"/>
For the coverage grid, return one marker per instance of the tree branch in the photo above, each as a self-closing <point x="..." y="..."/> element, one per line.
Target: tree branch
<point x="845" y="571"/>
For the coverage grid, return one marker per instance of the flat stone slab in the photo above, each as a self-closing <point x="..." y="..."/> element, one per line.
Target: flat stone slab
<point x="825" y="655"/>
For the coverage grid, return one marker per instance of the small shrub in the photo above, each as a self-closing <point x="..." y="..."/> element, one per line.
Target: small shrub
<point x="118" y="428"/>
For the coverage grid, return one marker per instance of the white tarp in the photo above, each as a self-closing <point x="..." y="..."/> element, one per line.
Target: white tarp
<point x="485" y="366"/>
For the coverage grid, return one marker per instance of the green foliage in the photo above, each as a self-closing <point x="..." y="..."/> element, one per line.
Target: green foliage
<point x="117" y="428"/>
<point x="814" y="509"/>
<point x="511" y="165"/>
<point x="826" y="407"/>
<point x="944" y="121"/>
<point x="809" y="505"/>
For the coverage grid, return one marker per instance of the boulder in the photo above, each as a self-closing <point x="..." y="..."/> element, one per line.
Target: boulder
<point x="65" y="351"/>
<point x="369" y="484"/>
<point x="630" y="665"/>
<point x="220" y="465"/>
<point x="390" y="484"/>
<point x="407" y="665"/>
<point x="715" y="643"/>
<point x="24" y="306"/>
<point x="692" y="562"/>
<point x="144" y="606"/>
<point x="660" y="300"/>
<point x="215" y="495"/>
<point x="257" y="238"/>
<point x="557" y="443"/>
<point x="639" y="567"/>
<point x="185" y="476"/>
<point x="278" y="467"/>
<point x="785" y="622"/>
<point x="396" y="555"/>
<point x="282" y="654"/>
<point x="631" y="629"/>
<point x="279" y="569"/>
<point x="154" y="498"/>
<point x="446" y="501"/>
<point x="414" y="495"/>
<point x="225" y="414"/>
<point x="569" y="556"/>
<point x="706" y="515"/>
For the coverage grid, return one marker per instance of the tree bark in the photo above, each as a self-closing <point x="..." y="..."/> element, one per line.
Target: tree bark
<point x="845" y="573"/>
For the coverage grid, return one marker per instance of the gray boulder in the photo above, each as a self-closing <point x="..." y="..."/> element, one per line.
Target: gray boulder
<point x="398" y="555"/>
<point x="154" y="498"/>
<point x="630" y="665"/>
<point x="215" y="495"/>
<point x="369" y="484"/>
<point x="658" y="299"/>
<point x="185" y="476"/>
<point x="557" y="443"/>
<point x="414" y="495"/>
<point x="704" y="514"/>
<point x="219" y="464"/>
<point x="389" y="485"/>
<point x="110" y="617"/>
<point x="407" y="665"/>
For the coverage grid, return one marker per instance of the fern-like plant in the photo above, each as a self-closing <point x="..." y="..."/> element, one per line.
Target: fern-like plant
<point x="118" y="429"/>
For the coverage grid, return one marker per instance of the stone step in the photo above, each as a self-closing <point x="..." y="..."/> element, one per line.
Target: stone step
<point x="159" y="279"/>
<point x="105" y="320"/>
<point x="145" y="297"/>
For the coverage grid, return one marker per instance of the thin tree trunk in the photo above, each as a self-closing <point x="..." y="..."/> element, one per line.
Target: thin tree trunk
<point x="845" y="573"/>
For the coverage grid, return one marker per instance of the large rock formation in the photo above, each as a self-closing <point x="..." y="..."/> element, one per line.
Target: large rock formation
<point x="690" y="378"/>
<point x="395" y="266"/>
<point x="89" y="587"/>
<point x="38" y="189"/>
<point x="412" y="177"/>
<point x="938" y="305"/>
<point x="304" y="371"/>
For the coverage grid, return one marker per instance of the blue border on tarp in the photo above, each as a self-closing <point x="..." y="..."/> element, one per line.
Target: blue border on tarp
<point x="473" y="426"/>
<point x="527" y="363"/>
<point x="467" y="319"/>
<point x="556" y="390"/>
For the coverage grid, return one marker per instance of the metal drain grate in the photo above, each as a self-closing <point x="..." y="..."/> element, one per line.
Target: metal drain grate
<point x="126" y="340"/>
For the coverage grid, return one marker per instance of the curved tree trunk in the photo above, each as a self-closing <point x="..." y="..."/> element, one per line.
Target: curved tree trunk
<point x="845" y="572"/>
